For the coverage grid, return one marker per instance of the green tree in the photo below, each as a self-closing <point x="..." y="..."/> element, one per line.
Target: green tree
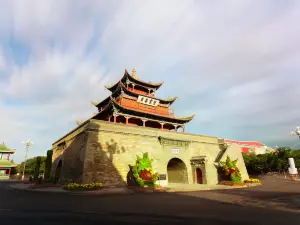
<point x="271" y="162"/>
<point x="48" y="164"/>
<point x="31" y="164"/>
<point x="14" y="170"/>
<point x="37" y="167"/>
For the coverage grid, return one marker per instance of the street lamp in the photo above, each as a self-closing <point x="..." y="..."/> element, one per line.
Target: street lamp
<point x="296" y="132"/>
<point x="27" y="144"/>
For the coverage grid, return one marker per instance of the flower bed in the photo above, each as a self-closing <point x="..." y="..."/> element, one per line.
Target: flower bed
<point x="83" y="187"/>
<point x="252" y="181"/>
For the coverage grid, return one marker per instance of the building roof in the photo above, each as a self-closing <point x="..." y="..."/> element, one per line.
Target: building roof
<point x="5" y="149"/>
<point x="134" y="79"/>
<point x="112" y="105"/>
<point x="247" y="143"/>
<point x="6" y="163"/>
<point x="122" y="90"/>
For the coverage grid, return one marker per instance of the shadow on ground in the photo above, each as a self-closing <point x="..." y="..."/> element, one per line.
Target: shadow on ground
<point x="97" y="163"/>
<point x="21" y="207"/>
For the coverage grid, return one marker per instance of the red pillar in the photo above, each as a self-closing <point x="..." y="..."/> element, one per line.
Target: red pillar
<point x="9" y="171"/>
<point x="126" y="119"/>
<point x="8" y="156"/>
<point x="162" y="126"/>
<point x="115" y="118"/>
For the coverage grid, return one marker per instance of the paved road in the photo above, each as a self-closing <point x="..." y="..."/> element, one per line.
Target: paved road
<point x="19" y="207"/>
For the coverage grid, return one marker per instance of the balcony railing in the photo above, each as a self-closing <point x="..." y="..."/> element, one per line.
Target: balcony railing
<point x="4" y="177"/>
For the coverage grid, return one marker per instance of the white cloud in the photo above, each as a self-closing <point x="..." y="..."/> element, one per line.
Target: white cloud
<point x="234" y="63"/>
<point x="2" y="61"/>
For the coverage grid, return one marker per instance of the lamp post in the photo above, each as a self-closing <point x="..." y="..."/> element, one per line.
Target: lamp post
<point x="27" y="144"/>
<point x="296" y="132"/>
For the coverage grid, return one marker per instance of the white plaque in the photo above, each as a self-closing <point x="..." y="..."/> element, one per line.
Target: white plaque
<point x="147" y="101"/>
<point x="175" y="150"/>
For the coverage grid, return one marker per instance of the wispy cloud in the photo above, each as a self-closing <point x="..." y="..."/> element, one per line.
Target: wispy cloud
<point x="233" y="63"/>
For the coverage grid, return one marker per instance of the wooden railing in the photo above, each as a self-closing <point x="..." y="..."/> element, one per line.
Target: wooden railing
<point x="145" y="108"/>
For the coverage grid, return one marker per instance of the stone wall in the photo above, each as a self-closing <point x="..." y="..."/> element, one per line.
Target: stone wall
<point x="71" y="151"/>
<point x="102" y="152"/>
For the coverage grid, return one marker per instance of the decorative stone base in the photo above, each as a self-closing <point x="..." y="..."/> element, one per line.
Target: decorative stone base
<point x="294" y="177"/>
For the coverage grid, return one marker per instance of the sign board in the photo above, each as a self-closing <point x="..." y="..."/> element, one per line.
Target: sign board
<point x="147" y="101"/>
<point x="174" y="143"/>
<point x="162" y="177"/>
<point x="175" y="150"/>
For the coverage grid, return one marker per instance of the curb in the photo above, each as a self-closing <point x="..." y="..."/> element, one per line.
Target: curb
<point x="41" y="190"/>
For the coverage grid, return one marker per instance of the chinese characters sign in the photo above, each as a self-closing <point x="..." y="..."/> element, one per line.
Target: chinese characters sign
<point x="147" y="101"/>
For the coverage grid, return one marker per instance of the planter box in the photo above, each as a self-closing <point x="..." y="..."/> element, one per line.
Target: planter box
<point x="230" y="183"/>
<point x="83" y="189"/>
<point x="253" y="184"/>
<point x="147" y="189"/>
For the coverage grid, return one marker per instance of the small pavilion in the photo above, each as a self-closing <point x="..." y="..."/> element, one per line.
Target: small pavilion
<point x="6" y="164"/>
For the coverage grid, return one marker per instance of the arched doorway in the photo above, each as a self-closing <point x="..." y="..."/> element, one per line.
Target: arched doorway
<point x="199" y="176"/>
<point x="177" y="172"/>
<point x="57" y="172"/>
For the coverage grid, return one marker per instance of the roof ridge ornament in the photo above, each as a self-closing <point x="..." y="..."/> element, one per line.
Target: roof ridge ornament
<point x="94" y="103"/>
<point x="78" y="122"/>
<point x="134" y="75"/>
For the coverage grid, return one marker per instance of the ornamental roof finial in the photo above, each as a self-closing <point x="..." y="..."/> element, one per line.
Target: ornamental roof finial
<point x="134" y="75"/>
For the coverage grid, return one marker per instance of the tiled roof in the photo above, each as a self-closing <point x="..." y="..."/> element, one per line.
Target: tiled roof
<point x="5" y="149"/>
<point x="247" y="143"/>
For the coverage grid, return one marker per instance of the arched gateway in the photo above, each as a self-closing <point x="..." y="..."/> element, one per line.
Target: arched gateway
<point x="177" y="172"/>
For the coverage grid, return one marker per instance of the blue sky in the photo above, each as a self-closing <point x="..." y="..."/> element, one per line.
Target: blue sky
<point x="235" y="64"/>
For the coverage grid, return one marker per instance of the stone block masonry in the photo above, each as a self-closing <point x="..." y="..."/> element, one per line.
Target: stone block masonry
<point x="99" y="151"/>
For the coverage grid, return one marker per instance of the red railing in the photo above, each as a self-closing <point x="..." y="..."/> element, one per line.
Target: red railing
<point x="141" y="107"/>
